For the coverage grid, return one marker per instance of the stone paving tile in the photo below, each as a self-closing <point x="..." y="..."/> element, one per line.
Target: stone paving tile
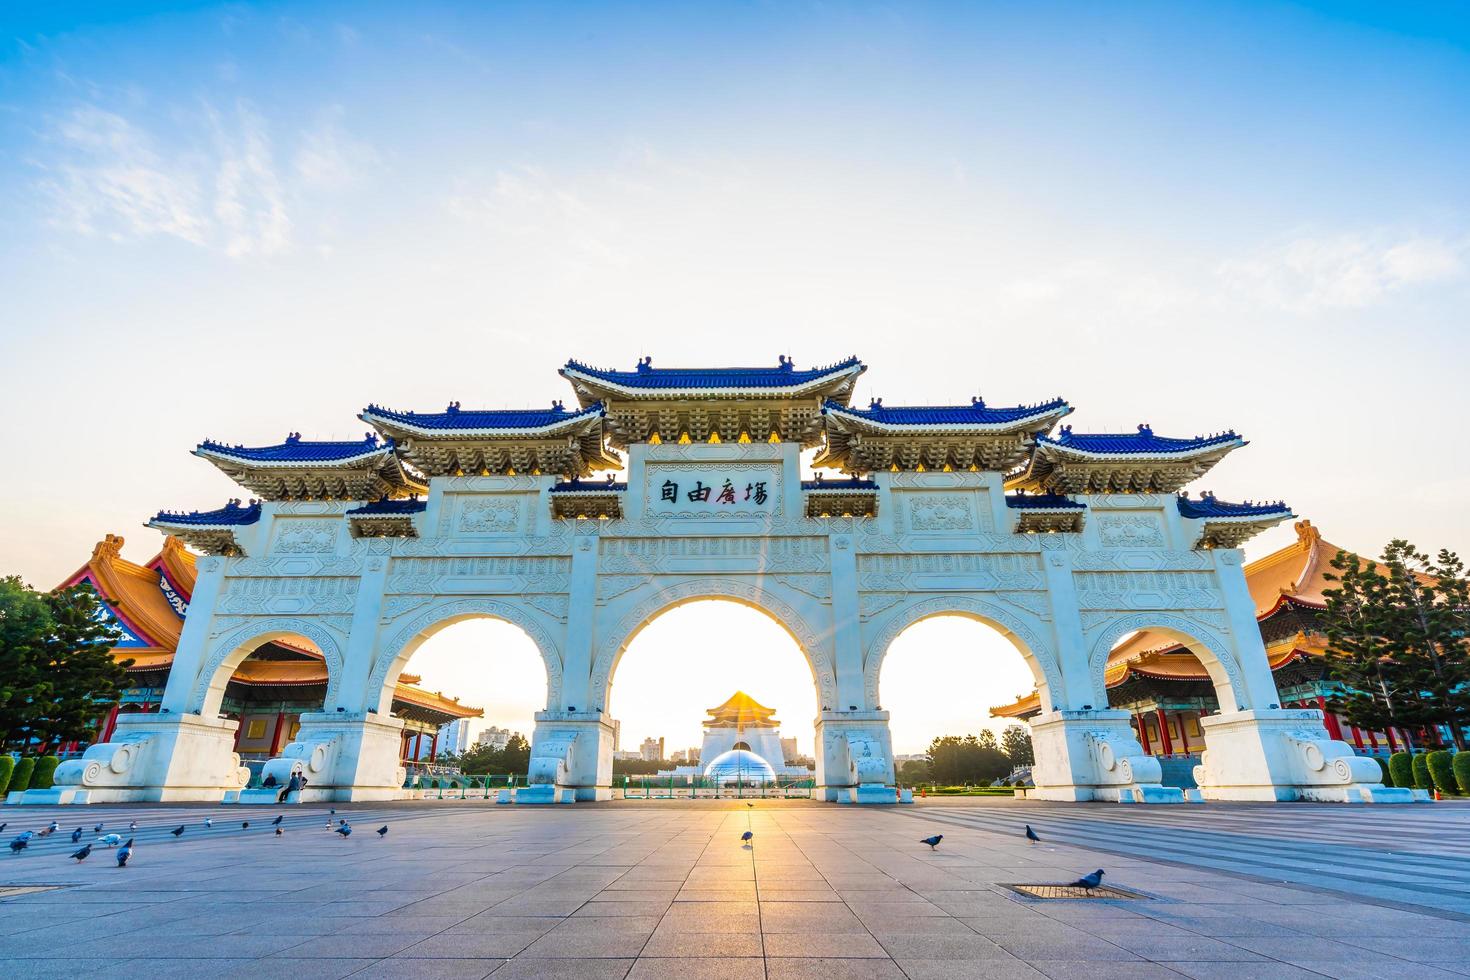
<point x="745" y="968"/>
<point x="830" y="969"/>
<point x="399" y="968"/>
<point x="564" y="969"/>
<point x="838" y="945"/>
<point x="1010" y="969"/>
<point x="684" y="944"/>
<point x="282" y="968"/>
<point x="492" y="945"/>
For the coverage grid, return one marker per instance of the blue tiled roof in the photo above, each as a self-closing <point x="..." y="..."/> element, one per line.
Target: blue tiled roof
<point x="783" y="375"/>
<point x="588" y="486"/>
<point x="1043" y="501"/>
<point x="456" y="418"/>
<point x="386" y="508"/>
<point x="849" y="484"/>
<point x="297" y="450"/>
<point x="1142" y="441"/>
<point x="1207" y="506"/>
<point x="233" y="513"/>
<point x="975" y="413"/>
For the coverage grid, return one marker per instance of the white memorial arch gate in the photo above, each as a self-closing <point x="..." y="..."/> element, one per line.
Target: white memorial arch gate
<point x="365" y="549"/>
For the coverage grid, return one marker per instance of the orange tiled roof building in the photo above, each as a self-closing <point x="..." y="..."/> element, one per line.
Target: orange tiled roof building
<point x="1166" y="687"/>
<point x="270" y="689"/>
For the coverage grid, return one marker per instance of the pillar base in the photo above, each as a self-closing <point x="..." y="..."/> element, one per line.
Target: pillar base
<point x="855" y="758"/>
<point x="153" y="758"/>
<point x="1280" y="754"/>
<point x="571" y="758"/>
<point x="343" y="756"/>
<point x="1094" y="755"/>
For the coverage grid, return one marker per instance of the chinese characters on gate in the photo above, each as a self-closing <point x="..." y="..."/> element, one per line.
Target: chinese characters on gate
<point x="728" y="493"/>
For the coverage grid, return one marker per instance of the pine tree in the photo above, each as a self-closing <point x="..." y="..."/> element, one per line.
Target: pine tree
<point x="1359" y="624"/>
<point x="1015" y="742"/>
<point x="25" y="622"/>
<point x="1429" y="646"/>
<point x="84" y="679"/>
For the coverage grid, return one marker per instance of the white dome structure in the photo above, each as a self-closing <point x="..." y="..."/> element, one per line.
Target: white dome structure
<point x="739" y="766"/>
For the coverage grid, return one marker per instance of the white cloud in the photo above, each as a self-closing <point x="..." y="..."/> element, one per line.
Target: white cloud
<point x="1348" y="271"/>
<point x="211" y="178"/>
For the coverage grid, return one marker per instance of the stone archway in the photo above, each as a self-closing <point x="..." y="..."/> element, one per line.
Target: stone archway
<point x="394" y="655"/>
<point x="1027" y="641"/>
<point x="1212" y="652"/>
<point x="616" y="642"/>
<point x="230" y="651"/>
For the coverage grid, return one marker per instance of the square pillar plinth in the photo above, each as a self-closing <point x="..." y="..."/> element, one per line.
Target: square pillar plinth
<point x="171" y="758"/>
<point x="1094" y="755"/>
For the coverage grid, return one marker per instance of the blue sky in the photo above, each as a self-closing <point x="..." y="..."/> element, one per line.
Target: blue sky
<point x="240" y="220"/>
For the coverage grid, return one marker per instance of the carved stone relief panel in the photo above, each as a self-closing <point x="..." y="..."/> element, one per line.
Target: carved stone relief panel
<point x="1146" y="590"/>
<point x="300" y="536"/>
<point x="927" y="573"/>
<point x="459" y="576"/>
<point x="287" y="596"/>
<point x="1136" y="529"/>
<point x="482" y="514"/>
<point x="753" y="555"/>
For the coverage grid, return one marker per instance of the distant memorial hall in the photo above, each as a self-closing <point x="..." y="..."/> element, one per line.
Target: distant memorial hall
<point x="1068" y="543"/>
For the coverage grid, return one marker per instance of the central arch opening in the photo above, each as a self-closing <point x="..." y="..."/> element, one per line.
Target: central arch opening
<point x="468" y="695"/>
<point x="711" y="677"/>
<point x="944" y="681"/>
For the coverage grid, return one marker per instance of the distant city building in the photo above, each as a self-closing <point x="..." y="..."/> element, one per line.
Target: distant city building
<point x="494" y="738"/>
<point x="454" y="737"/>
<point x="617" y="736"/>
<point x="626" y="755"/>
<point x="788" y="750"/>
<point x="742" y="745"/>
<point x="652" y="750"/>
<point x="912" y="757"/>
<point x="681" y="755"/>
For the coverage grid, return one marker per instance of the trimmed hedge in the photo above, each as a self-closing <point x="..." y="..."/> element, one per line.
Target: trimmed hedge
<point x="1401" y="767"/>
<point x="41" y="777"/>
<point x="1422" y="779"/>
<point x="21" y="780"/>
<point x="1386" y="779"/>
<point x="1461" y="766"/>
<point x="1442" y="770"/>
<point x="7" y="766"/>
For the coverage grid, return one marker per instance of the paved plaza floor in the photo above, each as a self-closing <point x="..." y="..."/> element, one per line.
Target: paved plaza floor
<point x="666" y="889"/>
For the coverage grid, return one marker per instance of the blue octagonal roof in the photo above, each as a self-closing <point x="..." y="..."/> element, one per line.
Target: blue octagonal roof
<point x="297" y="450"/>
<point x="390" y="508"/>
<point x="454" y="417"/>
<point x="1142" y="442"/>
<point x="975" y="413"/>
<point x="232" y="514"/>
<point x="588" y="486"/>
<point x="1042" y="501"/>
<point x="646" y="376"/>
<point x="839" y="485"/>
<point x="1208" y="507"/>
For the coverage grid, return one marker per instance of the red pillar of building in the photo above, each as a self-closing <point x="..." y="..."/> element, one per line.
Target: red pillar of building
<point x="1143" y="734"/>
<point x="1393" y="745"/>
<point x="280" y="730"/>
<point x="1333" y="728"/>
<point x="434" y="747"/>
<point x="109" y="724"/>
<point x="1164" y="732"/>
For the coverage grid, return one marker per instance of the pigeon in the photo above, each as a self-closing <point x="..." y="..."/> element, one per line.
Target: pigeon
<point x="332" y="810"/>
<point x="26" y="835"/>
<point x="383" y="831"/>
<point x="208" y="822"/>
<point x="345" y="830"/>
<point x="329" y="823"/>
<point x="76" y="835"/>
<point x="750" y="804"/>
<point x="19" y="844"/>
<point x="341" y="821"/>
<point x="3" y="826"/>
<point x="748" y="836"/>
<point x="82" y="854"/>
<point x="245" y="825"/>
<point x="178" y="831"/>
<point x="1088" y="882"/>
<point x="277" y="822"/>
<point x="97" y="829"/>
<point x="133" y="825"/>
<point x="125" y="852"/>
<point x="1031" y="834"/>
<point x="279" y="831"/>
<point x="933" y="842"/>
<point x="51" y="828"/>
<point x="111" y="840"/>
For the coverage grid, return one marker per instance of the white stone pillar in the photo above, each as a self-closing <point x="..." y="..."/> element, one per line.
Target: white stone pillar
<point x="855" y="757"/>
<point x="362" y="646"/>
<point x="193" y="648"/>
<point x="571" y="758"/>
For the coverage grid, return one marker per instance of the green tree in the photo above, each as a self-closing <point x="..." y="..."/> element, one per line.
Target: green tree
<point x="1015" y="742"/>
<point x="1359" y="623"/>
<point x="986" y="739"/>
<point x="954" y="760"/>
<point x="84" y="678"/>
<point x="25" y="622"/>
<point x="1429" y="644"/>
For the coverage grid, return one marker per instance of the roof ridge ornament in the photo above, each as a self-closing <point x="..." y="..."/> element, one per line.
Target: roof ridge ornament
<point x="1144" y="429"/>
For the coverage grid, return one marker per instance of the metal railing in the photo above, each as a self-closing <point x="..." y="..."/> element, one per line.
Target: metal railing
<point x="461" y="786"/>
<point x="701" y="788"/>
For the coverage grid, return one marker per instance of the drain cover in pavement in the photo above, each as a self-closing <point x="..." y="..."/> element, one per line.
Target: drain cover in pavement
<point x="1072" y="891"/>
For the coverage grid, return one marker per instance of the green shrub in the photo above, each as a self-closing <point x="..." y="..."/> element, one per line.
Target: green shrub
<point x="21" y="780"/>
<point x="1422" y="779"/>
<point x="1401" y="767"/>
<point x="1441" y="770"/>
<point x="1386" y="779"/>
<point x="1461" y="766"/>
<point x="41" y="777"/>
<point x="7" y="766"/>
